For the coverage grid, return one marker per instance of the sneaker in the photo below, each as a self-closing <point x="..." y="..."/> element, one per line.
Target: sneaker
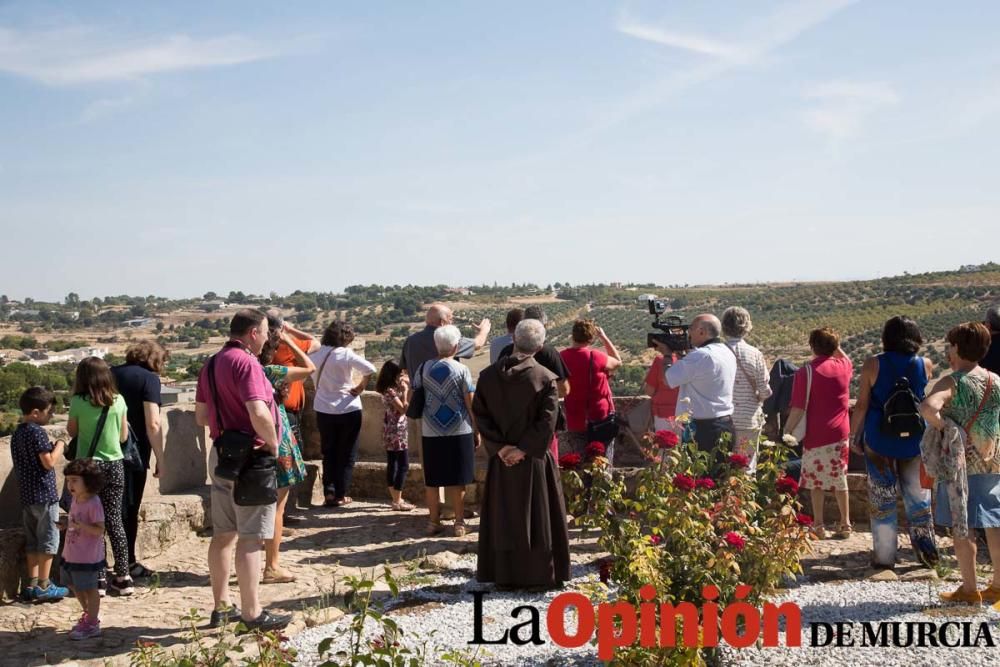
<point x="51" y="593"/>
<point x="294" y="519"/>
<point x="222" y="616"/>
<point x="121" y="587"/>
<point x="102" y="584"/>
<point x="264" y="623"/>
<point x="85" y="630"/>
<point x="28" y="593"/>
<point x="140" y="571"/>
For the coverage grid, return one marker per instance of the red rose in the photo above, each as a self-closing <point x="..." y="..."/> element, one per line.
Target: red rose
<point x="569" y="461"/>
<point x="705" y="483"/>
<point x="786" y="484"/>
<point x="655" y="540"/>
<point x="595" y="449"/>
<point x="666" y="439"/>
<point x="739" y="460"/>
<point x="735" y="540"/>
<point x="803" y="519"/>
<point x="684" y="482"/>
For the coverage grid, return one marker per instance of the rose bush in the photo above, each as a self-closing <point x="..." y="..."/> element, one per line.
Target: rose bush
<point x="691" y="519"/>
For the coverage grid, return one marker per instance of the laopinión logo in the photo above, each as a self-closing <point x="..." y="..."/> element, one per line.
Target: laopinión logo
<point x="739" y="624"/>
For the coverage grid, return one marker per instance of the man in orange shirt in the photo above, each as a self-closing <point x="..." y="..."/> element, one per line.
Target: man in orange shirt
<point x="296" y="399"/>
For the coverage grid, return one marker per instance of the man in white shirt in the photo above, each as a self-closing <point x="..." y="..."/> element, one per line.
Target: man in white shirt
<point x="705" y="377"/>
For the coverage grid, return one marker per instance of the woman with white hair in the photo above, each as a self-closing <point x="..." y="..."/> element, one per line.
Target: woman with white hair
<point x="448" y="428"/>
<point x="751" y="388"/>
<point x="523" y="542"/>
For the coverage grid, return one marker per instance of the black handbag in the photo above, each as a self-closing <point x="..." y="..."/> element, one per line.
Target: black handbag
<point x="233" y="447"/>
<point x="257" y="483"/>
<point x="415" y="410"/>
<point x="130" y="452"/>
<point x="65" y="499"/>
<point x="604" y="430"/>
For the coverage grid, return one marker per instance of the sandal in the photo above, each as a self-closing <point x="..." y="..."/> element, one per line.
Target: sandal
<point x="330" y="501"/>
<point x="990" y="595"/>
<point x="346" y="500"/>
<point x="961" y="596"/>
<point x="843" y="531"/>
<point x="277" y="577"/>
<point x="402" y="506"/>
<point x="434" y="528"/>
<point x="819" y="532"/>
<point x="458" y="530"/>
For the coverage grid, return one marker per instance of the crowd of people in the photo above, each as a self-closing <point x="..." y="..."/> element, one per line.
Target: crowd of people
<point x="917" y="439"/>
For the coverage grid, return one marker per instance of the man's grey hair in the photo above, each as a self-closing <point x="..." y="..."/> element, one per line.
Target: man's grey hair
<point x="736" y="322"/>
<point x="993" y="317"/>
<point x="446" y="339"/>
<point x="536" y="313"/>
<point x="529" y="336"/>
<point x="275" y="320"/>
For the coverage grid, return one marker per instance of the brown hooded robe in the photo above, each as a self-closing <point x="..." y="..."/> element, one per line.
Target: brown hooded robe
<point x="523" y="541"/>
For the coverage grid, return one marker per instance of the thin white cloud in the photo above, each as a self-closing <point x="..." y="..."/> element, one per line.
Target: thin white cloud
<point x="757" y="40"/>
<point x="840" y="108"/>
<point x="684" y="41"/>
<point x="80" y="55"/>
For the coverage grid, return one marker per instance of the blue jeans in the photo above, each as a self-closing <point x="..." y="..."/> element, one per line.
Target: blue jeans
<point x="888" y="478"/>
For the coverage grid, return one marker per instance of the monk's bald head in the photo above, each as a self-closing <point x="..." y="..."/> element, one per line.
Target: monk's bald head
<point x="438" y="315"/>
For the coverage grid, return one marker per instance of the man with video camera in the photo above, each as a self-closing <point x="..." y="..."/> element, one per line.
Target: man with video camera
<point x="705" y="376"/>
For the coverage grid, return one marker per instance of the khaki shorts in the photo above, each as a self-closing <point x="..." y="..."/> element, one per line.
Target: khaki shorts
<point x="825" y="468"/>
<point x="250" y="523"/>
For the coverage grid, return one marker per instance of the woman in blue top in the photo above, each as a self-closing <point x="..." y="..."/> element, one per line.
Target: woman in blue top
<point x="893" y="462"/>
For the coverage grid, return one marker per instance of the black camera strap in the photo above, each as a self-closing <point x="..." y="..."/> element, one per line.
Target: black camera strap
<point x="215" y="394"/>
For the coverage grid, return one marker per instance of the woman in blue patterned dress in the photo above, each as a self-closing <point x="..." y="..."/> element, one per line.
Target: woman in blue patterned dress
<point x="291" y="468"/>
<point x="450" y="438"/>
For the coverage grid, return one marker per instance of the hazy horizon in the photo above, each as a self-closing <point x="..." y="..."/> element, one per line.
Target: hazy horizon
<point x="222" y="294"/>
<point x="178" y="148"/>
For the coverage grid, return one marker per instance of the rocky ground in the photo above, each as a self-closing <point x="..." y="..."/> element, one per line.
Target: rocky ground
<point x="331" y="545"/>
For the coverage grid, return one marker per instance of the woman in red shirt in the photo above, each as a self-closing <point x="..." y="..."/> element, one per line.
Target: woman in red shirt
<point x="588" y="402"/>
<point x="824" y="447"/>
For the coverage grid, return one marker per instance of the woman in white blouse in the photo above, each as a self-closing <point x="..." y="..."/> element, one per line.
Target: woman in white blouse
<point x="338" y="408"/>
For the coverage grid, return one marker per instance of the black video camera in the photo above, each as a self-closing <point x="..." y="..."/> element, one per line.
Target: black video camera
<point x="675" y="332"/>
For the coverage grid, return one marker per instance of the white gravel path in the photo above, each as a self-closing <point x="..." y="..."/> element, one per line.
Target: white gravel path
<point x="875" y="602"/>
<point x="450" y="626"/>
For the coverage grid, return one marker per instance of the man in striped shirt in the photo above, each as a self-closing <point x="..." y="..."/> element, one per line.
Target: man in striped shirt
<point x="751" y="387"/>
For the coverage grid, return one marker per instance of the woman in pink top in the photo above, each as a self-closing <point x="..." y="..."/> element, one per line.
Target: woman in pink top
<point x="824" y="447"/>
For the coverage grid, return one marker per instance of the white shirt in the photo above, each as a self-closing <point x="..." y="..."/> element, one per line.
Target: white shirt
<point x="498" y="344"/>
<point x="706" y="377"/>
<point x="333" y="389"/>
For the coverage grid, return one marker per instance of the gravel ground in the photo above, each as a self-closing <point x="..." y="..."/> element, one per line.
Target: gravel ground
<point x="441" y="614"/>
<point x="875" y="602"/>
<point x="450" y="626"/>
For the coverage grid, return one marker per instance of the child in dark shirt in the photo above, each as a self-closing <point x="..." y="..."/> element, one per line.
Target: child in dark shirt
<point x="34" y="460"/>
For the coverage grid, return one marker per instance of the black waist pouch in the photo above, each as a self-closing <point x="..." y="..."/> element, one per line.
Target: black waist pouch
<point x="257" y="483"/>
<point x="234" y="449"/>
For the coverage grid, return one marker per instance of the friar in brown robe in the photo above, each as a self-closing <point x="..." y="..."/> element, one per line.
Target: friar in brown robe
<point x="523" y="541"/>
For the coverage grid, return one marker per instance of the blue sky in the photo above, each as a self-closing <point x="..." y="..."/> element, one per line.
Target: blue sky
<point x="180" y="147"/>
